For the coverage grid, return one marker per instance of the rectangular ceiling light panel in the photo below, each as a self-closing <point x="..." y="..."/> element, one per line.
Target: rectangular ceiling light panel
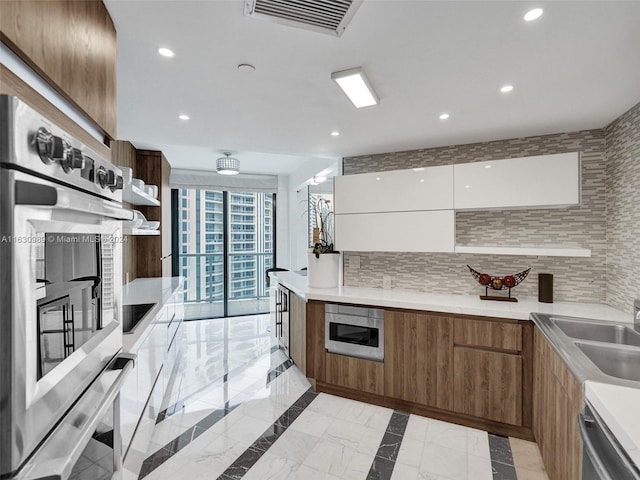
<point x="325" y="16"/>
<point x="356" y="86"/>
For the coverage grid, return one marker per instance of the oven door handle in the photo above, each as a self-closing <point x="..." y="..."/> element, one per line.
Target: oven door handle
<point x="58" y="454"/>
<point x="51" y="195"/>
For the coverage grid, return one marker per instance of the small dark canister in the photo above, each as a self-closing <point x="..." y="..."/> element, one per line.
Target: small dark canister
<point x="545" y="287"/>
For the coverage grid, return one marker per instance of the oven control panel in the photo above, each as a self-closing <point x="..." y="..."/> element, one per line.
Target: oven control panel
<point x="47" y="150"/>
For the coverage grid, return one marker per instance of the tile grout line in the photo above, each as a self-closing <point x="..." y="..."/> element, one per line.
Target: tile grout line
<point x="160" y="456"/>
<point x="252" y="454"/>
<point x="502" y="464"/>
<point x="175" y="407"/>
<point x="279" y="370"/>
<point x="385" y="458"/>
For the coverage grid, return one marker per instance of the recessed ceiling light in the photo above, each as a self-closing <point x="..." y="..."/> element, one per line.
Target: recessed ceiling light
<point x="506" y="88"/>
<point x="356" y="86"/>
<point x="533" y="14"/>
<point x="246" y="67"/>
<point x="184" y="117"/>
<point x="444" y="116"/>
<point x="487" y="166"/>
<point x="467" y="186"/>
<point x="422" y="180"/>
<point x="335" y="133"/>
<point x="165" y="52"/>
<point x="377" y="178"/>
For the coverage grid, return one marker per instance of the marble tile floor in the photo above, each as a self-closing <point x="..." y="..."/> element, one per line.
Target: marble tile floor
<point x="249" y="413"/>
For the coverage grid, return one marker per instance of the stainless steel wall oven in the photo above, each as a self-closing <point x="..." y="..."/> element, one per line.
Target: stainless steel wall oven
<point x="60" y="278"/>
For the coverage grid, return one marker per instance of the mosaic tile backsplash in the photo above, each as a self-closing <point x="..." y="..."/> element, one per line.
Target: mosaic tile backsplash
<point x="575" y="279"/>
<point x="623" y="209"/>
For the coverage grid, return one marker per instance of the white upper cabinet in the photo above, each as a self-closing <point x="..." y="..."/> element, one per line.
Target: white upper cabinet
<point x="527" y="182"/>
<point x="409" y="190"/>
<point x="426" y="231"/>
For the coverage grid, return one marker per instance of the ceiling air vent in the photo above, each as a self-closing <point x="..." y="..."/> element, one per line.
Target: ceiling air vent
<point x="325" y="16"/>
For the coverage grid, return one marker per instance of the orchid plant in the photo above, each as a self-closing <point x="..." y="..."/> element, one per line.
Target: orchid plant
<point x="324" y="221"/>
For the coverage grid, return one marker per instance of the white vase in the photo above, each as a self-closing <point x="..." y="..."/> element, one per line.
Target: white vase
<point x="323" y="271"/>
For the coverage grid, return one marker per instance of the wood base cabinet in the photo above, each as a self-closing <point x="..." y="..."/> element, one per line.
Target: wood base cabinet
<point x="492" y="365"/>
<point x="488" y="384"/>
<point x="475" y="371"/>
<point x="298" y="330"/>
<point x="355" y="373"/>
<point x="418" y="358"/>
<point x="557" y="401"/>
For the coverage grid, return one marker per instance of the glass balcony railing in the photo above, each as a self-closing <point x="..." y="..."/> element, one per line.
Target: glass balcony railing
<point x="204" y="292"/>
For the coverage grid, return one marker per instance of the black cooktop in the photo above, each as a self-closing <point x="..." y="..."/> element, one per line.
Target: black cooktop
<point x="132" y="314"/>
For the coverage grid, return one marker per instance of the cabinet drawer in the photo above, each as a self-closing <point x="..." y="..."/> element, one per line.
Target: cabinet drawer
<point x="488" y="385"/>
<point x="355" y="373"/>
<point x="487" y="333"/>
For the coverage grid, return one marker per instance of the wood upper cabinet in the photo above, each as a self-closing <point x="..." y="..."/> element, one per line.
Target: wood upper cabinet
<point x="72" y="45"/>
<point x="152" y="252"/>
<point x="147" y="255"/>
<point x="418" y="358"/>
<point x="557" y="401"/>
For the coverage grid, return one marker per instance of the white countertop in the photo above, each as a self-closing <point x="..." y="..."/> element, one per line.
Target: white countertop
<point x="451" y="303"/>
<point x="618" y="408"/>
<point x="156" y="290"/>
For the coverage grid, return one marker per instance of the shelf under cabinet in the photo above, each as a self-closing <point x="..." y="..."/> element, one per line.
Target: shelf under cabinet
<point x="140" y="231"/>
<point x="136" y="196"/>
<point x="540" y="251"/>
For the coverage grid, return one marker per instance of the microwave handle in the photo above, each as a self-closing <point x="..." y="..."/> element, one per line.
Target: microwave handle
<point x="56" y="457"/>
<point x="51" y="195"/>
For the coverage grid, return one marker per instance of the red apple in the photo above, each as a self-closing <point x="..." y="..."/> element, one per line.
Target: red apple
<point x="485" y="279"/>
<point x="509" y="281"/>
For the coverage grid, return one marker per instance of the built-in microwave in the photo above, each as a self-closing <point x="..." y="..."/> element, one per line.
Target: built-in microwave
<point x="355" y="331"/>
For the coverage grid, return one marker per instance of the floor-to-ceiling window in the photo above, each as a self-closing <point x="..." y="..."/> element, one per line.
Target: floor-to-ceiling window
<point x="226" y="244"/>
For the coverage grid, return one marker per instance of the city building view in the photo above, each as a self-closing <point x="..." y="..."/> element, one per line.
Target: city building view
<point x="226" y="244"/>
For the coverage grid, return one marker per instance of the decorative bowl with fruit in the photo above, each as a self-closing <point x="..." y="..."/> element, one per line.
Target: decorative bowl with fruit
<point x="499" y="283"/>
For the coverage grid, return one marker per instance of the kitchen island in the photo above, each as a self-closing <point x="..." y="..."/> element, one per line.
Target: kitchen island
<point x="459" y="359"/>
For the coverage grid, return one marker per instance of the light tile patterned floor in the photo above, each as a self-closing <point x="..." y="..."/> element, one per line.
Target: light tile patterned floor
<point x="237" y="408"/>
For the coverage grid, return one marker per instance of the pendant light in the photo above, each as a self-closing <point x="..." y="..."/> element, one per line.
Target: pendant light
<point x="228" y="165"/>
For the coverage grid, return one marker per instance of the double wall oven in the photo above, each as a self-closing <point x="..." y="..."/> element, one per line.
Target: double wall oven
<point x="61" y="277"/>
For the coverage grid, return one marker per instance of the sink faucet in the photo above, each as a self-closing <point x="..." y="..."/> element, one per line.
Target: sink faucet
<point x="636" y="314"/>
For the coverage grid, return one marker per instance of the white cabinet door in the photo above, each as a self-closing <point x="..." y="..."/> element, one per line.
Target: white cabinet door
<point x="395" y="191"/>
<point x="429" y="231"/>
<point x="540" y="181"/>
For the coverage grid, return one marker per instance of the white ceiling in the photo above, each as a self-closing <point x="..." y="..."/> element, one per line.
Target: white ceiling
<point x="577" y="67"/>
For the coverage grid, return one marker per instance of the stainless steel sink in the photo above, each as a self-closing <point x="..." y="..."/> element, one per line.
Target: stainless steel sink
<point x="597" y="350"/>
<point x="618" y="362"/>
<point x="598" y="332"/>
